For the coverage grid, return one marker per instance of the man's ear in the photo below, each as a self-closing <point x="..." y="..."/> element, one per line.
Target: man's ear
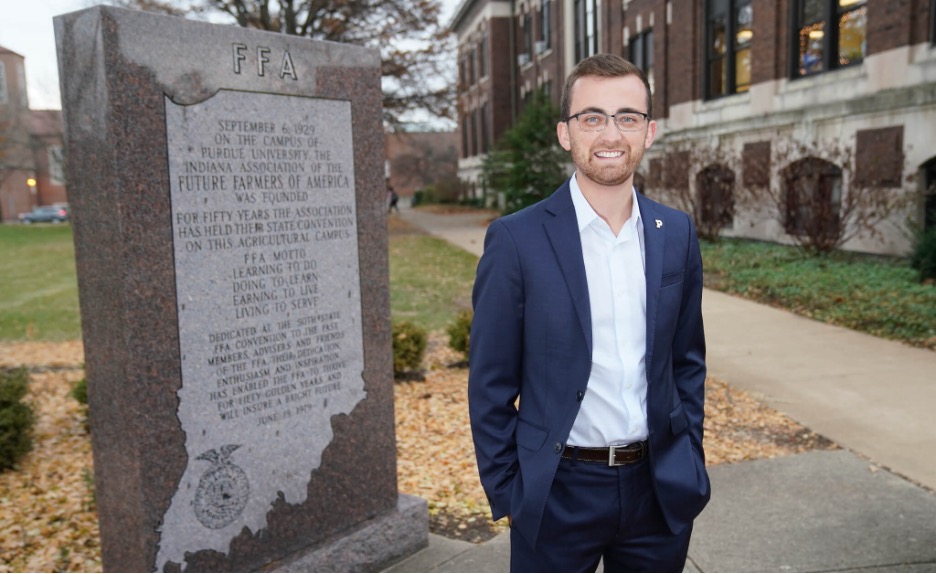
<point x="562" y="132"/>
<point x="651" y="133"/>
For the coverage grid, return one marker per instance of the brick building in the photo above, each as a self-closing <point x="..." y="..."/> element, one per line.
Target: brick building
<point x="791" y="100"/>
<point x="30" y="145"/>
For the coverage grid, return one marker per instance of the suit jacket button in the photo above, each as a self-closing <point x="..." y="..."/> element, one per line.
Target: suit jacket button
<point x="558" y="447"/>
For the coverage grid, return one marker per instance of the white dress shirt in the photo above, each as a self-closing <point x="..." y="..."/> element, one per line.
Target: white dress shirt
<point x="614" y="409"/>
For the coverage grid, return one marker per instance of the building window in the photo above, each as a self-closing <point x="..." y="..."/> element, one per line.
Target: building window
<point x="586" y="28"/>
<point x="546" y="25"/>
<point x="729" y="32"/>
<point x="933" y="22"/>
<point x="813" y="197"/>
<point x="466" y="148"/>
<point x="472" y="75"/>
<point x="482" y="54"/>
<point x="56" y="164"/>
<point x="462" y="74"/>
<point x="821" y="46"/>
<point x="474" y="132"/>
<point x="485" y="129"/>
<point x="527" y="25"/>
<point x="3" y="84"/>
<point x="640" y="51"/>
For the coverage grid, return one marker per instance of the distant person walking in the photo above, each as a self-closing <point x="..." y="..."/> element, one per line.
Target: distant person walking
<point x="587" y="306"/>
<point x="393" y="198"/>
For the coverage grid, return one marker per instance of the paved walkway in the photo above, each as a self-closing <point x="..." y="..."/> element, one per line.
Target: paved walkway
<point x="846" y="510"/>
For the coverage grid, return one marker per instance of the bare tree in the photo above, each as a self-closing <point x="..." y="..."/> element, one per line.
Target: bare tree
<point x="819" y="200"/>
<point x="424" y="163"/>
<point x="700" y="180"/>
<point x="415" y="48"/>
<point x="15" y="145"/>
<point x="16" y="148"/>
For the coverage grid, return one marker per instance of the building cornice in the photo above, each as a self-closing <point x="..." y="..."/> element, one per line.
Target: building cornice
<point x="462" y="20"/>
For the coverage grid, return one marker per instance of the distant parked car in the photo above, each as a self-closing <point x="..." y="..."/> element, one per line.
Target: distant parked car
<point x="45" y="214"/>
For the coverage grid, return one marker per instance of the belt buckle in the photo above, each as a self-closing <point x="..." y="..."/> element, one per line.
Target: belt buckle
<point x="613" y="449"/>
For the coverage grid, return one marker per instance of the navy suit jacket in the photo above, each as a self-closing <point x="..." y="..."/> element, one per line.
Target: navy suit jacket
<point x="531" y="337"/>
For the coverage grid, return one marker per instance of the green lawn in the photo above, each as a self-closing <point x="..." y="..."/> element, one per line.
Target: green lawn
<point x="38" y="290"/>
<point x="880" y="296"/>
<point x="431" y="282"/>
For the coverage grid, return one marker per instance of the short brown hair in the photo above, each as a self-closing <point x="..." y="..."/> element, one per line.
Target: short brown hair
<point x="602" y="66"/>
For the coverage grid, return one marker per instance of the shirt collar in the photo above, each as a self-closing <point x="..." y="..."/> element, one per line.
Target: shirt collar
<point x="585" y="213"/>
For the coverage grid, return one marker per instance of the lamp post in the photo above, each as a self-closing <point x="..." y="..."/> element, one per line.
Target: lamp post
<point x="31" y="183"/>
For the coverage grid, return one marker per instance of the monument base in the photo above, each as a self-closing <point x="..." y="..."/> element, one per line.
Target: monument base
<point x="373" y="546"/>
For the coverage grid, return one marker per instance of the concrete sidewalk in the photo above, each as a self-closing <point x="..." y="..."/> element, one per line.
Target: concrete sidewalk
<point x="846" y="510"/>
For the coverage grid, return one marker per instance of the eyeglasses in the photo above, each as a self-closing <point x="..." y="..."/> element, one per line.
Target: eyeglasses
<point x="597" y="121"/>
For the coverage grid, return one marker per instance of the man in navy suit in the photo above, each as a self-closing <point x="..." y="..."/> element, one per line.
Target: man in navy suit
<point x="588" y="309"/>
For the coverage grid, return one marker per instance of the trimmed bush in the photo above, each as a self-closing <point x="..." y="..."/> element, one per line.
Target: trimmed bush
<point x="409" y="346"/>
<point x="923" y="258"/>
<point x="16" y="417"/>
<point x="79" y="391"/>
<point x="459" y="333"/>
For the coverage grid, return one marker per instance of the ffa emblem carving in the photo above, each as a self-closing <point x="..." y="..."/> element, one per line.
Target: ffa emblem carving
<point x="222" y="491"/>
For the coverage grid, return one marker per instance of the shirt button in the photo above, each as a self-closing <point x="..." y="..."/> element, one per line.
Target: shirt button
<point x="558" y="447"/>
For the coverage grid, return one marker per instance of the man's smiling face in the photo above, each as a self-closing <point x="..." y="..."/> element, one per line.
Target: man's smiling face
<point x="608" y="157"/>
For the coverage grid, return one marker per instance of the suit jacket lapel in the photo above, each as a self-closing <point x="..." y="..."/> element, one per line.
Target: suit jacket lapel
<point x="561" y="227"/>
<point x="654" y="244"/>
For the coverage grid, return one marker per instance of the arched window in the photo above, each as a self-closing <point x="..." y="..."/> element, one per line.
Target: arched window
<point x="813" y="189"/>
<point x="715" y="199"/>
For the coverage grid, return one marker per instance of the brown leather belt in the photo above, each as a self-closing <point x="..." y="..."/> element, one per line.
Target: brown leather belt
<point x="611" y="456"/>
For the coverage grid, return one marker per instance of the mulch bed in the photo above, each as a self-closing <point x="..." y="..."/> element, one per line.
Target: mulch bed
<point x="47" y="513"/>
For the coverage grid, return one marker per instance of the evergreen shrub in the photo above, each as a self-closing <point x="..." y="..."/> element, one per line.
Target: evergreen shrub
<point x="16" y="417"/>
<point x="923" y="258"/>
<point x="459" y="333"/>
<point x="409" y="346"/>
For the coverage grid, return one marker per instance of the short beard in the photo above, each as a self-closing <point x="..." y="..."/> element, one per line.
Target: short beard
<point x="609" y="176"/>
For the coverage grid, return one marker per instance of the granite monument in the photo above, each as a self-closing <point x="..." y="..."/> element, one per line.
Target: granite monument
<point x="229" y="220"/>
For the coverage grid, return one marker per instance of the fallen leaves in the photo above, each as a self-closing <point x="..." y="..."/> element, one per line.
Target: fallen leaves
<point x="48" y="520"/>
<point x="47" y="517"/>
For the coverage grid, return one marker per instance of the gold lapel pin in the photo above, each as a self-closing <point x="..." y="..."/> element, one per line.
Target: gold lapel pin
<point x="659" y="223"/>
